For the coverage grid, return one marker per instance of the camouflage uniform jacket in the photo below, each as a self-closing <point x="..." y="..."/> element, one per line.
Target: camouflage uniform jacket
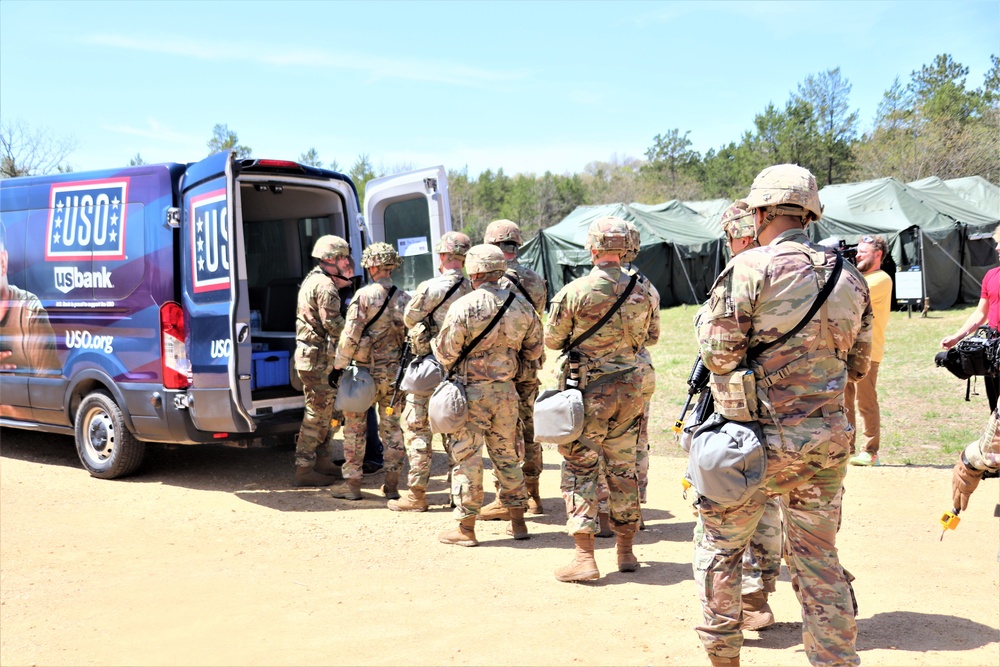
<point x="517" y="337"/>
<point x="427" y="296"/>
<point x="532" y="283"/>
<point x="653" y="333"/>
<point x="580" y="304"/>
<point x="764" y="292"/>
<point x="984" y="454"/>
<point x="318" y="320"/>
<point x="383" y="341"/>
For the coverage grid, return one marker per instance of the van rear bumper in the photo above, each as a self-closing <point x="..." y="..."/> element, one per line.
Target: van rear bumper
<point x="162" y="421"/>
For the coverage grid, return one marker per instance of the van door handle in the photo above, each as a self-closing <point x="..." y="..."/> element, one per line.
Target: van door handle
<point x="242" y="331"/>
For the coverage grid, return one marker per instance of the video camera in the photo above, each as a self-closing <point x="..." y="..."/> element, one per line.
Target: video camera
<point x="977" y="354"/>
<point x="850" y="253"/>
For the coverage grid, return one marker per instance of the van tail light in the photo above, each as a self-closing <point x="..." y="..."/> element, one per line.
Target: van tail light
<point x="173" y="349"/>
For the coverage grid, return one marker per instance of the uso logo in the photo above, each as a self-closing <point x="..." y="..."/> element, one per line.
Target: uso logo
<point x="209" y="225"/>
<point x="87" y="220"/>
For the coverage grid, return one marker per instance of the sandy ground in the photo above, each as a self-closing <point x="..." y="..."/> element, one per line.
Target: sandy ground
<point x="209" y="558"/>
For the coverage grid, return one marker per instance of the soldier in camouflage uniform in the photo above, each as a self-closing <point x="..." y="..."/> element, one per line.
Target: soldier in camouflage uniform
<point x="431" y="296"/>
<point x="762" y="558"/>
<point x="644" y="364"/>
<point x="760" y="295"/>
<point x="612" y="396"/>
<point x="975" y="460"/>
<point x="376" y="346"/>
<point x="527" y="284"/>
<point x="318" y="323"/>
<point x="488" y="372"/>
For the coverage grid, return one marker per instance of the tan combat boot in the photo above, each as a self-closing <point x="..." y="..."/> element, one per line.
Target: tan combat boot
<point x="350" y="490"/>
<point x="390" y="488"/>
<point x="494" y="511"/>
<point x="604" y="525"/>
<point x="325" y="466"/>
<point x="627" y="562"/>
<point x="518" y="529"/>
<point x="757" y="614"/>
<point x="306" y="476"/>
<point x="719" y="661"/>
<point x="534" y="499"/>
<point x="464" y="535"/>
<point x="415" y="500"/>
<point x="583" y="567"/>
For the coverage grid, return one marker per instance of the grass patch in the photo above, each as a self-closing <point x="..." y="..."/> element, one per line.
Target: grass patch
<point x="925" y="417"/>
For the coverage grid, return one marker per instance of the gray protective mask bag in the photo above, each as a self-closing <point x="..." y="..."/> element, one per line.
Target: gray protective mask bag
<point x="728" y="461"/>
<point x="422" y="376"/>
<point x="559" y="416"/>
<point x="447" y="409"/>
<point x="356" y="392"/>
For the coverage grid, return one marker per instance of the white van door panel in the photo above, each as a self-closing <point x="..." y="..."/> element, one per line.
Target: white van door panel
<point x="411" y="212"/>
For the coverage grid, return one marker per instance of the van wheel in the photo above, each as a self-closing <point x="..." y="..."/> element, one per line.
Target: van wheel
<point x="106" y="447"/>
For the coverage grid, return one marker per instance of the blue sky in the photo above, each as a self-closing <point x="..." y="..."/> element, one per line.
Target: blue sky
<point x="528" y="87"/>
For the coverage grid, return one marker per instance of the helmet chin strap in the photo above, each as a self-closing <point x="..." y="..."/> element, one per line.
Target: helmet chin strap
<point x="791" y="211"/>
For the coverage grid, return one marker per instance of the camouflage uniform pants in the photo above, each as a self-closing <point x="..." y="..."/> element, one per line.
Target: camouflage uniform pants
<point x="641" y="450"/>
<point x="762" y="558"/>
<point x="531" y="451"/>
<point x="492" y="419"/>
<point x="612" y="411"/>
<point x="316" y="420"/>
<point x="356" y="429"/>
<point x="418" y="439"/>
<point x="806" y="468"/>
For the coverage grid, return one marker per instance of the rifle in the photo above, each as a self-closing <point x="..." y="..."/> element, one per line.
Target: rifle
<point x="404" y="359"/>
<point x="697" y="381"/>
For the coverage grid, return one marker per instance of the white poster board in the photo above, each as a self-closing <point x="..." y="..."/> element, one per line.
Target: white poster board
<point x="909" y="285"/>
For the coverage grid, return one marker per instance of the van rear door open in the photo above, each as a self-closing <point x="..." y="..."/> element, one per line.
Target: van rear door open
<point x="214" y="293"/>
<point x="410" y="212"/>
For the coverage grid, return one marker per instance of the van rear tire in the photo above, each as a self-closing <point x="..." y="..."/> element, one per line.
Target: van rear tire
<point x="106" y="447"/>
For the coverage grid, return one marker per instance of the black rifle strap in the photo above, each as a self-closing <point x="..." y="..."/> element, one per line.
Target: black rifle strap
<point x="511" y="276"/>
<point x="392" y="290"/>
<point x="756" y="351"/>
<point x="607" y="316"/>
<point x="447" y="295"/>
<point x="485" y="332"/>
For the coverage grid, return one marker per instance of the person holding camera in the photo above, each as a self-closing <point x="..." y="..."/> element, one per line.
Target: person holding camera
<point x="987" y="311"/>
<point x="871" y="251"/>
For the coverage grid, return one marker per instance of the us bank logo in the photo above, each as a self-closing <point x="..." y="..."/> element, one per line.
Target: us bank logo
<point x="87" y="220"/>
<point x="68" y="278"/>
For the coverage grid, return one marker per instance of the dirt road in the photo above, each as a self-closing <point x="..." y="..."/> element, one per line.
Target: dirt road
<point x="210" y="558"/>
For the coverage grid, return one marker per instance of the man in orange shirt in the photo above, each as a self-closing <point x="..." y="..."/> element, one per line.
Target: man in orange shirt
<point x="871" y="251"/>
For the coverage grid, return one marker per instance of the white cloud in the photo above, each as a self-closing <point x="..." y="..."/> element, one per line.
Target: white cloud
<point x="436" y="71"/>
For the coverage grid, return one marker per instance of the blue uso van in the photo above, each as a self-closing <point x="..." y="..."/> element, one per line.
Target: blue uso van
<point x="157" y="303"/>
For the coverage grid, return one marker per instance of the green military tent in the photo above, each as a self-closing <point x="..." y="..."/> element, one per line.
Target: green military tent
<point x="928" y="227"/>
<point x="678" y="253"/>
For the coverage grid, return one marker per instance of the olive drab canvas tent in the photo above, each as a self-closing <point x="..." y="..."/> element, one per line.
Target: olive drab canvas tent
<point x="976" y="189"/>
<point x="678" y="253"/>
<point x="927" y="229"/>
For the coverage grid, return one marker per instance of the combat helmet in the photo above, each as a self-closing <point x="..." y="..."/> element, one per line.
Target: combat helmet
<point x="737" y="220"/>
<point x="634" y="241"/>
<point x="453" y="243"/>
<point x="330" y="247"/>
<point x="786" y="186"/>
<point x="484" y="258"/>
<point x="608" y="235"/>
<point x="503" y="231"/>
<point x="380" y="254"/>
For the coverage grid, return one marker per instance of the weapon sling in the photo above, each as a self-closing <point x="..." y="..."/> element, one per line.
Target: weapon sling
<point x="485" y="332"/>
